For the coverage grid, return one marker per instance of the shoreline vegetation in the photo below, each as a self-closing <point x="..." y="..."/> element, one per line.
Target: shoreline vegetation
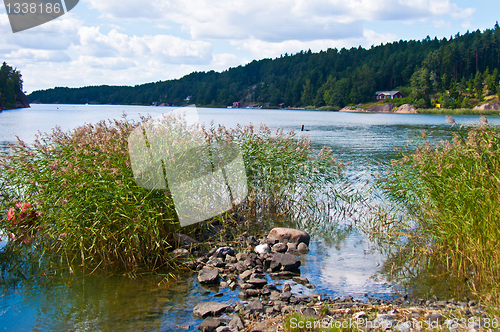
<point x="69" y="201"/>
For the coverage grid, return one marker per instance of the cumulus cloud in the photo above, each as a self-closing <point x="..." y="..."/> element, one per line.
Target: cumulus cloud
<point x="279" y="20"/>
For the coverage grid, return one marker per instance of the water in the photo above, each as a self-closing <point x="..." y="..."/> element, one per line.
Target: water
<point x="339" y="263"/>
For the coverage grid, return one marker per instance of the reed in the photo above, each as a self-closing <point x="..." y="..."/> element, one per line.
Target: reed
<point x="451" y="193"/>
<point x="86" y="209"/>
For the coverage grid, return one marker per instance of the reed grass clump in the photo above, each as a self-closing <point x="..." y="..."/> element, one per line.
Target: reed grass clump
<point x="85" y="207"/>
<point x="452" y="193"/>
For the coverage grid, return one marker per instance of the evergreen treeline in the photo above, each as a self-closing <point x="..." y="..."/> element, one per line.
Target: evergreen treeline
<point x="455" y="72"/>
<point x="11" y="88"/>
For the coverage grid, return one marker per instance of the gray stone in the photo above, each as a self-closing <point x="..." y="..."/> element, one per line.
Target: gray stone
<point x="285" y="297"/>
<point x="262" y="249"/>
<point x="208" y="276"/>
<point x="254" y="306"/>
<point x="184" y="327"/>
<point x="303" y="248"/>
<point x="216" y="262"/>
<point x="252" y="241"/>
<point x="359" y="315"/>
<point x="285" y="262"/>
<point x="209" y="324"/>
<point x="404" y="327"/>
<point x="279" y="247"/>
<point x="287" y="287"/>
<point x="435" y="318"/>
<point x="236" y="323"/>
<point x="257" y="282"/>
<point x="205" y="309"/>
<point x="300" y="280"/>
<point x="253" y="292"/>
<point x="383" y="322"/>
<point x="245" y="275"/>
<point x="289" y="235"/>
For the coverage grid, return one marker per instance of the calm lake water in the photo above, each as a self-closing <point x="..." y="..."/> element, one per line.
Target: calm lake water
<point x="339" y="263"/>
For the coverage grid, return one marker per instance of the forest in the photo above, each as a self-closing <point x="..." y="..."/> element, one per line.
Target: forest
<point x="456" y="72"/>
<point x="11" y="88"/>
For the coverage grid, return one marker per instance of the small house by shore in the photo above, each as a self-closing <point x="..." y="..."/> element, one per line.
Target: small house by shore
<point x="383" y="95"/>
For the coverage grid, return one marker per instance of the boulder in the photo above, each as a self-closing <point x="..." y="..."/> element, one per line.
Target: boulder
<point x="205" y="309"/>
<point x="285" y="235"/>
<point x="279" y="247"/>
<point x="381" y="108"/>
<point x="236" y="324"/>
<point x="262" y="249"/>
<point x="406" y="108"/>
<point x="208" y="275"/>
<point x="488" y="106"/>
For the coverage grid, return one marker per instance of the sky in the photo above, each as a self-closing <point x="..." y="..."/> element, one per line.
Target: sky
<point x="130" y="42"/>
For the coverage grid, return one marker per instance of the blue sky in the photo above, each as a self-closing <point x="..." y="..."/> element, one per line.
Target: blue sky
<point x="129" y="42"/>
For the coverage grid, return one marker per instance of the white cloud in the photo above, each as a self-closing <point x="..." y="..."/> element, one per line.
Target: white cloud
<point x="278" y="20"/>
<point x="263" y="49"/>
<point x="165" y="48"/>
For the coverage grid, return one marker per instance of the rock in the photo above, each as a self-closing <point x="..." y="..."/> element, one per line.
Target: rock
<point x="287" y="288"/>
<point x="285" y="262"/>
<point x="222" y="252"/>
<point x="205" y="309"/>
<point x="406" y="108"/>
<point x="404" y="327"/>
<point x="253" y="292"/>
<point x="279" y="247"/>
<point x="488" y="106"/>
<point x="257" y="282"/>
<point x="301" y="280"/>
<point x="303" y="248"/>
<point x="263" y="327"/>
<point x="262" y="249"/>
<point x="252" y="241"/>
<point x="291" y="248"/>
<point x="243" y="295"/>
<point x="216" y="262"/>
<point x="285" y="297"/>
<point x="180" y="253"/>
<point x="285" y="235"/>
<point x="209" y="324"/>
<point x="184" y="327"/>
<point x="224" y="329"/>
<point x="208" y="275"/>
<point x="182" y="240"/>
<point x="254" y="306"/>
<point x="308" y="312"/>
<point x="236" y="323"/>
<point x="386" y="108"/>
<point x="383" y="322"/>
<point x="245" y="275"/>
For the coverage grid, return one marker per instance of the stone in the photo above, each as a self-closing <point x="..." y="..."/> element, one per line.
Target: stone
<point x="184" y="327"/>
<point x="257" y="282"/>
<point x="285" y="297"/>
<point x="406" y="108"/>
<point x="216" y="262"/>
<point x="285" y="235"/>
<point x="224" y="329"/>
<point x="208" y="275"/>
<point x="279" y="247"/>
<point x="180" y="253"/>
<point x="222" y="252"/>
<point x="253" y="292"/>
<point x="287" y="287"/>
<point x="252" y="241"/>
<point x="302" y="248"/>
<point x="308" y="312"/>
<point x="300" y="280"/>
<point x="245" y="275"/>
<point x="383" y="322"/>
<point x="254" y="306"/>
<point x="285" y="262"/>
<point x="359" y="315"/>
<point x="205" y="309"/>
<point x="488" y="106"/>
<point x="262" y="249"/>
<point x="435" y="318"/>
<point x="236" y="323"/>
<point x="209" y="324"/>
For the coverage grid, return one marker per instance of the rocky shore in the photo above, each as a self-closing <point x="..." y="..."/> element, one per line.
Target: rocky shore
<point x="258" y="268"/>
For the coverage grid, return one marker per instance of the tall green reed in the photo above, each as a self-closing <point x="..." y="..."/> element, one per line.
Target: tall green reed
<point x="451" y="193"/>
<point x="90" y="210"/>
